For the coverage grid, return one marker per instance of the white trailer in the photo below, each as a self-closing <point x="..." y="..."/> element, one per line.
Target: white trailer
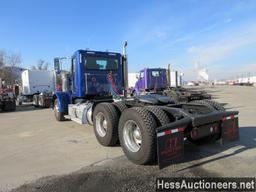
<point x="37" y="86"/>
<point x="132" y="79"/>
<point x="174" y="78"/>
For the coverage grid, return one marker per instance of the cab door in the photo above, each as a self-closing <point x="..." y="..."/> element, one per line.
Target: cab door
<point x="74" y="83"/>
<point x="141" y="81"/>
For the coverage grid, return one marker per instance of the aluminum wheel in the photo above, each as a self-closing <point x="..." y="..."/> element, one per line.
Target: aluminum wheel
<point x="40" y="102"/>
<point x="56" y="107"/>
<point x="101" y="124"/>
<point x="34" y="101"/>
<point x="132" y="136"/>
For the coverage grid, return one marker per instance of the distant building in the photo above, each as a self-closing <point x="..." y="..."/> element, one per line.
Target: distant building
<point x="251" y="79"/>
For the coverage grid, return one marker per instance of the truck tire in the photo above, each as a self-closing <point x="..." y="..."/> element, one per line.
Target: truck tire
<point x="35" y="101"/>
<point x="120" y="106"/>
<point x="41" y="101"/>
<point x="207" y="139"/>
<point x="137" y="135"/>
<point x="105" y="124"/>
<point x="58" y="115"/>
<point x="215" y="105"/>
<point x="160" y="116"/>
<point x="202" y="102"/>
<point x="9" y="105"/>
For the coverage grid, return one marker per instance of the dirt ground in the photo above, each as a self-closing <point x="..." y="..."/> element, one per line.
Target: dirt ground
<point x="38" y="153"/>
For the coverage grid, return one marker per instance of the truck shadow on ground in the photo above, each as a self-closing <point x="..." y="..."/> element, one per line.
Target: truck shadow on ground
<point x="247" y="140"/>
<point x="25" y="108"/>
<point x="119" y="174"/>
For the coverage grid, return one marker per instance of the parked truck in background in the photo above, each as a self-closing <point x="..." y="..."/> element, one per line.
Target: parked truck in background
<point x="155" y="80"/>
<point x="7" y="97"/>
<point x="149" y="127"/>
<point x="37" y="86"/>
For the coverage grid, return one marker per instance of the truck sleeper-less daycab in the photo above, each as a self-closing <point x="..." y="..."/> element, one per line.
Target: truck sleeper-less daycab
<point x="155" y="80"/>
<point x="149" y="127"/>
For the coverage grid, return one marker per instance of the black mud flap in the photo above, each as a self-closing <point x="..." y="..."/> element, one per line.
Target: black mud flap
<point x="170" y="142"/>
<point x="230" y="128"/>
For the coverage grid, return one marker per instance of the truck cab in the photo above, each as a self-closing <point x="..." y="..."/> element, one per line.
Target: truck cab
<point x="95" y="76"/>
<point x="96" y="73"/>
<point x="151" y="79"/>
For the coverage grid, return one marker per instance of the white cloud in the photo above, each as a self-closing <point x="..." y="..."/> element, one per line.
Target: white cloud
<point x="214" y="51"/>
<point x="211" y="53"/>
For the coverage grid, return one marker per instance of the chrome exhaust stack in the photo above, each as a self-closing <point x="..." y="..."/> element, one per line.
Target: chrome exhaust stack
<point x="168" y="71"/>
<point x="125" y="69"/>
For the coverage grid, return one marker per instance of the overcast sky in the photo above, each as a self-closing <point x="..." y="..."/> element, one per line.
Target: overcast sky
<point x="218" y="34"/>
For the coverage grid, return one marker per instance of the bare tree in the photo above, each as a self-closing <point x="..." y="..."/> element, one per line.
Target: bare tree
<point x="14" y="60"/>
<point x="2" y="58"/>
<point x="41" y="65"/>
<point x="8" y="61"/>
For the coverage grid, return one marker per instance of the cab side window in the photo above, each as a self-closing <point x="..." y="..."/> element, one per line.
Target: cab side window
<point x="155" y="73"/>
<point x="73" y="70"/>
<point x="142" y="74"/>
<point x="73" y="66"/>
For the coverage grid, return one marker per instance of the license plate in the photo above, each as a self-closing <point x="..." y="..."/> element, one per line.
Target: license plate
<point x="170" y="146"/>
<point x="230" y="129"/>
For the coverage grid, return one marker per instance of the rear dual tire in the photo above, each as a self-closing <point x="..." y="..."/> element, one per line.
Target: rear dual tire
<point x="217" y="106"/>
<point x="136" y="129"/>
<point x="210" y="103"/>
<point x="211" y="138"/>
<point x="137" y="133"/>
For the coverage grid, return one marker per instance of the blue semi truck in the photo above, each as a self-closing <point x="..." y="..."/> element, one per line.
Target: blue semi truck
<point x="149" y="127"/>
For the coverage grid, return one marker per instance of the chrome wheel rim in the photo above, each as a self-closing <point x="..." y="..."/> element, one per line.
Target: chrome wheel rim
<point x="40" y="102"/>
<point x="34" y="102"/>
<point x="132" y="136"/>
<point x="56" y="107"/>
<point x="101" y="124"/>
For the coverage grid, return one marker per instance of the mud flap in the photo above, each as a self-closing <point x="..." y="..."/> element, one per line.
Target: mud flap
<point x="230" y="129"/>
<point x="170" y="142"/>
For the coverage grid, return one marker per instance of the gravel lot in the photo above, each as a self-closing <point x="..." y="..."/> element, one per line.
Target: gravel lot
<point x="41" y="154"/>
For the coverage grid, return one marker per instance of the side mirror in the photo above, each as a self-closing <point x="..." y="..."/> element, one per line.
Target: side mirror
<point x="56" y="64"/>
<point x="137" y="76"/>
